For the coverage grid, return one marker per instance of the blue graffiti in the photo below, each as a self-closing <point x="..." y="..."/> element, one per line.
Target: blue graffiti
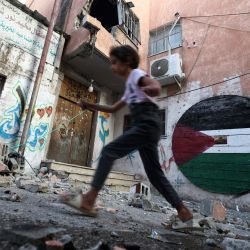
<point x="37" y="136"/>
<point x="103" y="133"/>
<point x="9" y="128"/>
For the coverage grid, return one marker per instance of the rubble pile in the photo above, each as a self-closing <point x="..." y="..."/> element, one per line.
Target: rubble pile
<point x="212" y="220"/>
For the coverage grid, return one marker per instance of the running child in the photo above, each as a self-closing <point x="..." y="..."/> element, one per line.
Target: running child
<point x="143" y="136"/>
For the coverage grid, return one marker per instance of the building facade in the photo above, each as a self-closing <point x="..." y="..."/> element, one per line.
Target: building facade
<point x="22" y="37"/>
<point x="200" y="54"/>
<point x="205" y="148"/>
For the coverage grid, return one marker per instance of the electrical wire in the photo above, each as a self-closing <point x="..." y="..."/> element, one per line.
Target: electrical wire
<point x="220" y="15"/>
<point x="199" y="53"/>
<point x="207" y="86"/>
<point x="54" y="130"/>
<point x="218" y="26"/>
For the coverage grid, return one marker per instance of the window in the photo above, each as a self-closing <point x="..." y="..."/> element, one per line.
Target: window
<point x="163" y="121"/>
<point x="112" y="13"/>
<point x="129" y="22"/>
<point x="106" y="12"/>
<point x="2" y="82"/>
<point x="127" y="122"/>
<point x="159" y="39"/>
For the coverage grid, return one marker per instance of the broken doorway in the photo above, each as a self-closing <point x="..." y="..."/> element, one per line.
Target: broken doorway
<point x="70" y="142"/>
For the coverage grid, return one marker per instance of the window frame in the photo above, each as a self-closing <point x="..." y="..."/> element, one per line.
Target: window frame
<point x="129" y="23"/>
<point x="161" y="34"/>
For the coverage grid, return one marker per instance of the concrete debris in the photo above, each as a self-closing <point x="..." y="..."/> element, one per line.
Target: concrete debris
<point x="157" y="236"/>
<point x="114" y="234"/>
<point x="11" y="197"/>
<point x="140" y="189"/>
<point x="111" y="210"/>
<point x="5" y="181"/>
<point x="43" y="171"/>
<point x="31" y="185"/>
<point x="235" y="244"/>
<point x="54" y="245"/>
<point x="118" y="248"/>
<point x="67" y="241"/>
<point x="211" y="242"/>
<point x="146" y="205"/>
<point x="28" y="246"/>
<point x="100" y="246"/>
<point x="32" y="232"/>
<point x="213" y="208"/>
<point x="64" y="243"/>
<point x="3" y="168"/>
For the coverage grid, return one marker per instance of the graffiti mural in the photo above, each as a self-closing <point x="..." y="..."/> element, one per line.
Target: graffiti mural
<point x="10" y="125"/>
<point x="104" y="129"/>
<point x="14" y="117"/>
<point x="164" y="159"/>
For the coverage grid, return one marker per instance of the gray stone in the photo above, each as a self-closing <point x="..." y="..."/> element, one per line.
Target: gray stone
<point x="34" y="232"/>
<point x="223" y="228"/>
<point x="5" y="181"/>
<point x="147" y="205"/>
<point x="211" y="242"/>
<point x="67" y="242"/>
<point x="115" y="235"/>
<point x="207" y="223"/>
<point x="156" y="208"/>
<point x="234" y="244"/>
<point x="206" y="207"/>
<point x="28" y="246"/>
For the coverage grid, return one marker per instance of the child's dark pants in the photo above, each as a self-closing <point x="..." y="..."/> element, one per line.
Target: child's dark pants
<point x="144" y="137"/>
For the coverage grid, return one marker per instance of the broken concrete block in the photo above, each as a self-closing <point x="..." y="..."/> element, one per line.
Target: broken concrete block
<point x="208" y="223"/>
<point x="3" y="167"/>
<point x="5" y="181"/>
<point x="34" y="232"/>
<point x="67" y="242"/>
<point x="234" y="244"/>
<point x="211" y="242"/>
<point x="219" y="211"/>
<point x="28" y="246"/>
<point x="31" y="185"/>
<point x="141" y="189"/>
<point x="54" y="245"/>
<point x="43" y="187"/>
<point x="213" y="208"/>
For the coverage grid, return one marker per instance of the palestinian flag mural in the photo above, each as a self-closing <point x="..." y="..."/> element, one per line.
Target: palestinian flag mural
<point x="211" y="144"/>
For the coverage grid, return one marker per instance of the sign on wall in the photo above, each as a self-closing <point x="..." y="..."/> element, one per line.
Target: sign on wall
<point x="20" y="29"/>
<point x="211" y="144"/>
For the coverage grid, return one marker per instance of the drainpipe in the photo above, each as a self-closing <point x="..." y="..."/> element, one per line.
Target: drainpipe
<point x="178" y="17"/>
<point x="39" y="75"/>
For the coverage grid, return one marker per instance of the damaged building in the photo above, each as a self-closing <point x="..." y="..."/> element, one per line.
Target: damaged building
<point x="199" y="55"/>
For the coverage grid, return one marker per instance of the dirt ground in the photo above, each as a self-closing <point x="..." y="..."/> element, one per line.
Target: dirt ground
<point x="128" y="226"/>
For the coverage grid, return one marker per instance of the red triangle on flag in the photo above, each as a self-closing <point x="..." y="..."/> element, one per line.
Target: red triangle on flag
<point x="187" y="144"/>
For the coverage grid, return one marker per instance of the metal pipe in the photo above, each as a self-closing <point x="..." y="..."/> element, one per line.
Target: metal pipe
<point x="39" y="75"/>
<point x="178" y="17"/>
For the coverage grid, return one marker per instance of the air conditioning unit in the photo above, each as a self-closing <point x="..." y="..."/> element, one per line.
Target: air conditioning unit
<point x="167" y="70"/>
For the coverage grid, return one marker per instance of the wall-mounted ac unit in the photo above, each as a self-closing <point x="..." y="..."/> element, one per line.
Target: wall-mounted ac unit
<point x="167" y="70"/>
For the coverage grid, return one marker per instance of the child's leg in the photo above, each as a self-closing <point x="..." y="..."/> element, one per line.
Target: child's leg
<point x="123" y="145"/>
<point x="150" y="159"/>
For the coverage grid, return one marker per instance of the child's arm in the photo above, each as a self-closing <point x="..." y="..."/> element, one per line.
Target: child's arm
<point x="150" y="87"/>
<point x="103" y="108"/>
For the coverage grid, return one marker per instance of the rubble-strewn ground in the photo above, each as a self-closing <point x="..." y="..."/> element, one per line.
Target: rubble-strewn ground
<point x="127" y="225"/>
